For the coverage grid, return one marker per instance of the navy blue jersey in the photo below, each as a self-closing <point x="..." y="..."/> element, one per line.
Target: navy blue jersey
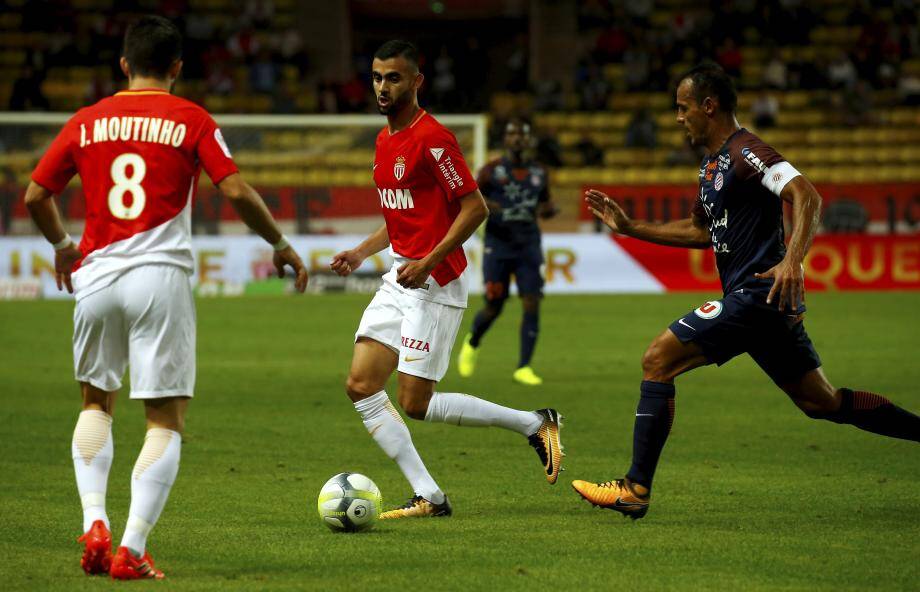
<point x="519" y="190"/>
<point x="739" y="200"/>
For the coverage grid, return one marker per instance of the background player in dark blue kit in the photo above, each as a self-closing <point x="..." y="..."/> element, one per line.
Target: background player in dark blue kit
<point x="742" y="183"/>
<point x="517" y="193"/>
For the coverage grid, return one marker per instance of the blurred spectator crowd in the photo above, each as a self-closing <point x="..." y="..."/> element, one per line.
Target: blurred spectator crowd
<point x="253" y="48"/>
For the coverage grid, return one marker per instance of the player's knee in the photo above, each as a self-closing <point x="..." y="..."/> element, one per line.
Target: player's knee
<point x="531" y="304"/>
<point x="496" y="292"/>
<point x="415" y="407"/>
<point x="357" y="387"/>
<point x="817" y="408"/>
<point x="494" y="306"/>
<point x="175" y="423"/>
<point x="655" y="363"/>
<point x="95" y="398"/>
<point x="413" y="396"/>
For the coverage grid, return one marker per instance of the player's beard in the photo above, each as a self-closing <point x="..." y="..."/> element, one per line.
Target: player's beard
<point x="397" y="104"/>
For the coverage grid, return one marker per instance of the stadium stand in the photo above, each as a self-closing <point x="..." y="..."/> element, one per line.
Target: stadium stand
<point x="833" y="84"/>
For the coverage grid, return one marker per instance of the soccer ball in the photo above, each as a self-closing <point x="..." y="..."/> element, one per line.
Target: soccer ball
<point x="349" y="502"/>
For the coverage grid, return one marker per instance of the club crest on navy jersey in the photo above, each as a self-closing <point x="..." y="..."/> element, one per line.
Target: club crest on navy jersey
<point x="399" y="169"/>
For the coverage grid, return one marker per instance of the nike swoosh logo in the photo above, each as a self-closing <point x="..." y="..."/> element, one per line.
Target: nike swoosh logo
<point x="682" y="322"/>
<point x="621" y="504"/>
<point x="411" y="359"/>
<point x="549" y="458"/>
<point x="375" y="166"/>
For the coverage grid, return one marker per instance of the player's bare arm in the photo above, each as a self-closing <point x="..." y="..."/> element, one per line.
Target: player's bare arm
<point x="347" y="261"/>
<point x="789" y="274"/>
<point x="46" y="216"/>
<point x="690" y="232"/>
<point x="252" y="210"/>
<point x="473" y="212"/>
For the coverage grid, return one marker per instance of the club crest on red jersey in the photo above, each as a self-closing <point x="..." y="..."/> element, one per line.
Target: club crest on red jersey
<point x="399" y="169"/>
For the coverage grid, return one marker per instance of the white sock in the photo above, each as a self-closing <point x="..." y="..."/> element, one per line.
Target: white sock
<point x="466" y="410"/>
<point x="92" y="453"/>
<point x="154" y="474"/>
<point x="388" y="429"/>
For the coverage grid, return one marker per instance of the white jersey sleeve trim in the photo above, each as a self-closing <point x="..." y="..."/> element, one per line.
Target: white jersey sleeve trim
<point x="776" y="177"/>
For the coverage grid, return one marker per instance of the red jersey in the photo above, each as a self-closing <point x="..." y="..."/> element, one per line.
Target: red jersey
<point x="420" y="173"/>
<point x="138" y="154"/>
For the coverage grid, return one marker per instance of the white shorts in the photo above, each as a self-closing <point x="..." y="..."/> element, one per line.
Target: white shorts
<point x="421" y="332"/>
<point x="145" y="319"/>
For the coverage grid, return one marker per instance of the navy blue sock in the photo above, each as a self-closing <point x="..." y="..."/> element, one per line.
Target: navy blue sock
<point x="483" y="320"/>
<point x="530" y="328"/>
<point x="654" y="416"/>
<point x="874" y="413"/>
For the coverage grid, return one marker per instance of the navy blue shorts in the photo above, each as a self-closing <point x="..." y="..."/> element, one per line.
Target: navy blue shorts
<point x="744" y="323"/>
<point x="498" y="265"/>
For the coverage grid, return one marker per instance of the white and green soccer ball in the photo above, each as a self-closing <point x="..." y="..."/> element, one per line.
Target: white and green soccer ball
<point x="349" y="502"/>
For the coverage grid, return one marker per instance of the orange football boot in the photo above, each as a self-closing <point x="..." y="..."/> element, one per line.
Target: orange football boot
<point x="616" y="495"/>
<point x="125" y="566"/>
<point x="97" y="554"/>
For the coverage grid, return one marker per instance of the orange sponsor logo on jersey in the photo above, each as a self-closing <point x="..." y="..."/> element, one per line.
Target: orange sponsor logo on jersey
<point x="709" y="169"/>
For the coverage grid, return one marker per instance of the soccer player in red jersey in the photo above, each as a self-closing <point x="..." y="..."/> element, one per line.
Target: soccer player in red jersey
<point x="138" y="154"/>
<point x="431" y="205"/>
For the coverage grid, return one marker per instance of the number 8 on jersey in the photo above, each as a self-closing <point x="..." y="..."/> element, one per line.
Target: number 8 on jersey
<point x="124" y="183"/>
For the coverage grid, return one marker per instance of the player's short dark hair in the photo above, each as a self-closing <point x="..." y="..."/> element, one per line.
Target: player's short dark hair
<point x="711" y="80"/>
<point x="152" y="45"/>
<point x="397" y="48"/>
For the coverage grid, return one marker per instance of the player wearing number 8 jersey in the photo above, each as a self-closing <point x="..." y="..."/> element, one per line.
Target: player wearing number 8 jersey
<point x="138" y="154"/>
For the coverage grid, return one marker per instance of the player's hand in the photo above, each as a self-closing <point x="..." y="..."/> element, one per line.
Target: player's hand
<point x="346" y="262"/>
<point x="64" y="261"/>
<point x="288" y="256"/>
<point x="607" y="211"/>
<point x="413" y="274"/>
<point x="789" y="281"/>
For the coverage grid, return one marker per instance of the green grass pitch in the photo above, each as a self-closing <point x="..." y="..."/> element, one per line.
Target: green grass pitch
<point x="750" y="495"/>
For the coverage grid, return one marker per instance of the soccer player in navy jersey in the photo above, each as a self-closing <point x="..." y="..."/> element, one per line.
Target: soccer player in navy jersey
<point x="739" y="212"/>
<point x="516" y="189"/>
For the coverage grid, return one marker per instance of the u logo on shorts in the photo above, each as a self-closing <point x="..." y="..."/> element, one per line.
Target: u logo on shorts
<point x="710" y="310"/>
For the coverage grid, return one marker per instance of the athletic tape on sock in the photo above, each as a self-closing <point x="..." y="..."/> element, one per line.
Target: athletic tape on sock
<point x="93" y="500"/>
<point x="392" y="411"/>
<point x="139" y="525"/>
<point x="91" y="433"/>
<point x="155" y="444"/>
